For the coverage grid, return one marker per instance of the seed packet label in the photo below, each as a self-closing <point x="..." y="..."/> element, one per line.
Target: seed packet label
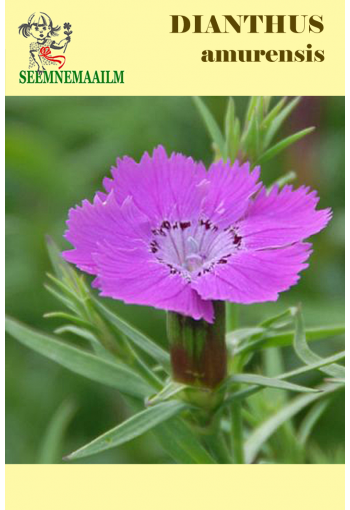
<point x="183" y="48"/>
<point x="193" y="48"/>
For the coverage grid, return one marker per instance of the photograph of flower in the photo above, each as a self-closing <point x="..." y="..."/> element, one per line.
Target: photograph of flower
<point x="175" y="280"/>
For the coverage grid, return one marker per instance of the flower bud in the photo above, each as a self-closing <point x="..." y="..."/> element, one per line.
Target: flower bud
<point x="198" y="348"/>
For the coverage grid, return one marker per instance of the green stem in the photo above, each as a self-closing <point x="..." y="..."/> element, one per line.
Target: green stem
<point x="237" y="433"/>
<point x="231" y="317"/>
<point x="236" y="408"/>
<point x="218" y="447"/>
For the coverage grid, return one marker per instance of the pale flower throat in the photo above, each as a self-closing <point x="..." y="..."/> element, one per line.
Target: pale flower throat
<point x="193" y="248"/>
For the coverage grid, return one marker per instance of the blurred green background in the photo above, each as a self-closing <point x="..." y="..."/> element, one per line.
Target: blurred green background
<point x="57" y="151"/>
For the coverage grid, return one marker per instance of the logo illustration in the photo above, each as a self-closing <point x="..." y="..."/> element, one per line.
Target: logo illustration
<point x="42" y="29"/>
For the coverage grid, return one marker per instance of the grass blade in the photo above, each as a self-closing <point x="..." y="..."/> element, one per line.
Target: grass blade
<point x="176" y="439"/>
<point x="304" y="352"/>
<point x="229" y="118"/>
<point x="50" y="451"/>
<point x="284" y="339"/>
<point x="69" y="317"/>
<point x="75" y="330"/>
<point x="268" y="382"/>
<point x="60" y="297"/>
<point x="283" y="180"/>
<point x="310" y="421"/>
<point x="283" y="144"/>
<point x="278" y="121"/>
<point x="180" y="442"/>
<point x="279" y="320"/>
<point x="83" y="363"/>
<point x="263" y="433"/>
<point x="167" y="392"/>
<point x="63" y="270"/>
<point x="321" y="363"/>
<point x="97" y="347"/>
<point x="251" y="109"/>
<point x="230" y="128"/>
<point x="274" y="112"/>
<point x="211" y="125"/>
<point x="242" y="394"/>
<point x="65" y="290"/>
<point x="131" y="428"/>
<point x="60" y="266"/>
<point x="138" y="338"/>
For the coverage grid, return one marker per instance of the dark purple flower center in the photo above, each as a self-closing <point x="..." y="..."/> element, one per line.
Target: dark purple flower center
<point x="193" y="248"/>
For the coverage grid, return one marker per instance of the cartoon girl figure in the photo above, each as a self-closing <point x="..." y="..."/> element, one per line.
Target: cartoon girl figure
<point x="40" y="27"/>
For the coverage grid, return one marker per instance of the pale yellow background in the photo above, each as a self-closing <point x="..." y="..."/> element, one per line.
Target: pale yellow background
<point x="134" y="36"/>
<point x="125" y="487"/>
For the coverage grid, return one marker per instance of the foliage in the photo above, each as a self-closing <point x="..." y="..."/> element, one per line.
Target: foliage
<point x="254" y="421"/>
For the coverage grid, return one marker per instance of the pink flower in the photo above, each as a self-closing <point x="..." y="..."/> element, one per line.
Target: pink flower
<point x="169" y="234"/>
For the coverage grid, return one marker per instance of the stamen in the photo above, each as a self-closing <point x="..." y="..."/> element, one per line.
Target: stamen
<point x="193" y="245"/>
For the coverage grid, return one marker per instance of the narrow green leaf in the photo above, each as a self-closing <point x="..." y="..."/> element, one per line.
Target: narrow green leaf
<point x="237" y="441"/>
<point x="241" y="339"/>
<point x="266" y="103"/>
<point x="236" y="139"/>
<point x="282" y="145"/>
<point x="168" y="440"/>
<point x="169" y="391"/>
<point x="242" y="394"/>
<point x="263" y="433"/>
<point x="274" y="112"/>
<point x="285" y="179"/>
<point x="278" y="121"/>
<point x="63" y="287"/>
<point x="90" y="337"/>
<point x="233" y="143"/>
<point x="306" y="355"/>
<point x="335" y="380"/>
<point x="138" y="338"/>
<point x="139" y="365"/>
<point x="63" y="270"/>
<point x="272" y="365"/>
<point x="229" y="128"/>
<point x="268" y="382"/>
<point x="255" y="138"/>
<point x="261" y="109"/>
<point x="283" y="339"/>
<point x="251" y="139"/>
<point x="176" y="438"/>
<point x="88" y="365"/>
<point x="68" y="317"/>
<point x="237" y="336"/>
<point x="131" y="428"/>
<point x="60" y="297"/>
<point x="311" y="420"/>
<point x="322" y="362"/>
<point x="51" y="446"/>
<point x="312" y="334"/>
<point x="250" y="110"/>
<point x="280" y="320"/>
<point x="75" y="330"/>
<point x="182" y="444"/>
<point x="230" y="117"/>
<point x="211" y="125"/>
<point x="60" y="266"/>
